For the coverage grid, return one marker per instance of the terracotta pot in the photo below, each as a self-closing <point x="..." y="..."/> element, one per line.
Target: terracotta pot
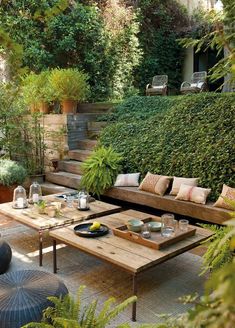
<point x="69" y="106"/>
<point x="34" y="108"/>
<point x="6" y="193"/>
<point x="43" y="107"/>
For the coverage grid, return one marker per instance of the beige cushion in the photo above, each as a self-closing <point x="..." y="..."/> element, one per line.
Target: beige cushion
<point x="155" y="183"/>
<point x="227" y="192"/>
<point x="193" y="194"/>
<point x="178" y="181"/>
<point x="127" y="180"/>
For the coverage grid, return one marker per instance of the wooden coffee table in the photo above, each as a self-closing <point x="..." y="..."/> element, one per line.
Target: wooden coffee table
<point x="42" y="223"/>
<point x="127" y="255"/>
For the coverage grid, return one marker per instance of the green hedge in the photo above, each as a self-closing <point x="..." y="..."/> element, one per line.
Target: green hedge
<point x="136" y="107"/>
<point x="190" y="136"/>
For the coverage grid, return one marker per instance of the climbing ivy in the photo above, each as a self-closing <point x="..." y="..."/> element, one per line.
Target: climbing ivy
<point x="191" y="137"/>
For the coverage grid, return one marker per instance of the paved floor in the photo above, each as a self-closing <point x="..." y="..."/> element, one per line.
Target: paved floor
<point x="159" y="289"/>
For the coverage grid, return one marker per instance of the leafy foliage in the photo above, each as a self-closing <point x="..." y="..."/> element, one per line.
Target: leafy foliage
<point x="161" y="23"/>
<point x="36" y="88"/>
<point x="100" y="170"/>
<point x="140" y="108"/>
<point x="69" y="84"/>
<point x="21" y="138"/>
<point x="55" y="34"/>
<point x="69" y="313"/>
<point x="11" y="173"/>
<point x="119" y="44"/>
<point x="13" y="51"/>
<point x="220" y="37"/>
<point x="218" y="251"/>
<point x="182" y="141"/>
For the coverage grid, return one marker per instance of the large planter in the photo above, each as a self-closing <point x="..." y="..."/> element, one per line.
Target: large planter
<point x="69" y="106"/>
<point x="6" y="193"/>
<point x="34" y="109"/>
<point x="44" y="108"/>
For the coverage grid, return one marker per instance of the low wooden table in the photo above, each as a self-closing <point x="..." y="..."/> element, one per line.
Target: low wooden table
<point x="42" y="223"/>
<point x="127" y="255"/>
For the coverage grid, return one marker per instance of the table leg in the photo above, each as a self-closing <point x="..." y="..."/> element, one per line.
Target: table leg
<point x="40" y="247"/>
<point x="54" y="257"/>
<point x="134" y="288"/>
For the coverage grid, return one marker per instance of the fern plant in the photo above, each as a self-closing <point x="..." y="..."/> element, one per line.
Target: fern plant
<point x="69" y="313"/>
<point x="100" y="170"/>
<point x="218" y="248"/>
<point x="221" y="245"/>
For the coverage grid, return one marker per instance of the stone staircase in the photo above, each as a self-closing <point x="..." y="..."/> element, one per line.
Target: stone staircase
<point x="68" y="176"/>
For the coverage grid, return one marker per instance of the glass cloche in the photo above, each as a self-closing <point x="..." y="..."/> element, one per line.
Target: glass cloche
<point x="19" y="198"/>
<point x="35" y="193"/>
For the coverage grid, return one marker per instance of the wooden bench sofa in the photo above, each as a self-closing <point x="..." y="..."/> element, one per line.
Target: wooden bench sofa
<point x="168" y="203"/>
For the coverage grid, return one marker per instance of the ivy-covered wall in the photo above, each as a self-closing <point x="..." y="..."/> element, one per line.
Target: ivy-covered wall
<point x="189" y="136"/>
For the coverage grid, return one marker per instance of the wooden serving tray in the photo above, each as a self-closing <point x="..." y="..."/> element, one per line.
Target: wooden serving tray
<point x="156" y="241"/>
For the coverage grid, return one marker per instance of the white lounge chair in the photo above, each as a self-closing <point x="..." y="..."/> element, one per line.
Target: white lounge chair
<point x="158" y="86"/>
<point x="197" y="84"/>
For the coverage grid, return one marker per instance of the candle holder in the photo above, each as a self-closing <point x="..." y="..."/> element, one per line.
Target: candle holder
<point x="19" y="198"/>
<point x="35" y="193"/>
<point x="83" y="201"/>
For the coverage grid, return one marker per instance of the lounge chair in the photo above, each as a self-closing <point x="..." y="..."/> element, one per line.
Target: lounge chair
<point x="158" y="86"/>
<point x="197" y="84"/>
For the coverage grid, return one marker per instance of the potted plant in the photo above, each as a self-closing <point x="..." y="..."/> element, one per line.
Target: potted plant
<point x="100" y="170"/>
<point x="37" y="92"/>
<point x="11" y="174"/>
<point x="70" y="86"/>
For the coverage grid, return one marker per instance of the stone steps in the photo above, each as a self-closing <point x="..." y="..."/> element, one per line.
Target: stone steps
<point x="84" y="130"/>
<point x="70" y="166"/>
<point x="79" y="154"/>
<point x="87" y="144"/>
<point x="51" y="188"/>
<point x="62" y="178"/>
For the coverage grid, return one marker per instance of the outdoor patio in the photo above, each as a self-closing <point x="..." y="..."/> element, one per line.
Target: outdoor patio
<point x="117" y="163"/>
<point x="159" y="288"/>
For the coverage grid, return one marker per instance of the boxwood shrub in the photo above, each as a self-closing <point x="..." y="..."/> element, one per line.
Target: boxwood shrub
<point x="190" y="136"/>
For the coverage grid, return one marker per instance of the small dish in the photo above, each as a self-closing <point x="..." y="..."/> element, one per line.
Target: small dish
<point x="83" y="230"/>
<point x="155" y="226"/>
<point x="134" y="225"/>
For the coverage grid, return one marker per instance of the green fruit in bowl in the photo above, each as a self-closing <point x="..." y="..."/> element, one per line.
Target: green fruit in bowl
<point x="95" y="226"/>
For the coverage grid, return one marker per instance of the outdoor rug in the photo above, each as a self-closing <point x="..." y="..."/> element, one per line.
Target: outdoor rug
<point x="158" y="288"/>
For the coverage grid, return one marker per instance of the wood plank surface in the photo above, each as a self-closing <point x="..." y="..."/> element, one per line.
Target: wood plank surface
<point x="37" y="221"/>
<point x="124" y="253"/>
<point x="168" y="203"/>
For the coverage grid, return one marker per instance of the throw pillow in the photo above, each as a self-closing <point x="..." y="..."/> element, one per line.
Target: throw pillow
<point x="177" y="182"/>
<point x="127" y="180"/>
<point x="155" y="183"/>
<point x="193" y="194"/>
<point x="227" y="192"/>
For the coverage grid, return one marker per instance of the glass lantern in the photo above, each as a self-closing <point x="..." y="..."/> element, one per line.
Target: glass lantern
<point x="35" y="193"/>
<point x="83" y="201"/>
<point x="19" y="198"/>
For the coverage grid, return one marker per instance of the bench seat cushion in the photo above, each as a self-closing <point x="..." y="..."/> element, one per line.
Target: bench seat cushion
<point x="168" y="203"/>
